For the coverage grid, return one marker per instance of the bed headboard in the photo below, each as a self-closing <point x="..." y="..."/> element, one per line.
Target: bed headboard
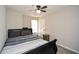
<point x="19" y="32"/>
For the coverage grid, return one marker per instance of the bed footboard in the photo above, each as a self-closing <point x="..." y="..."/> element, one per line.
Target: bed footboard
<point x="48" y="48"/>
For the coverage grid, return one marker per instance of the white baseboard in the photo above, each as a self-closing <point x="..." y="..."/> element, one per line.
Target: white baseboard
<point x="68" y="48"/>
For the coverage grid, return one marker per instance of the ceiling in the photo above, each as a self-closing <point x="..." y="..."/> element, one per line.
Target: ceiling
<point x="30" y="9"/>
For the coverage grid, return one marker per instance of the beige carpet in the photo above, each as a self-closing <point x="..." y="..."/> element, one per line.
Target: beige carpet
<point x="62" y="50"/>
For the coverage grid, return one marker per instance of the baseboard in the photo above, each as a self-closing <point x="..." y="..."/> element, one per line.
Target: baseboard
<point x="68" y="48"/>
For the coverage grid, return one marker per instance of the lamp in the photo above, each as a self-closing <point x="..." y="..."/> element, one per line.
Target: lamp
<point x="38" y="11"/>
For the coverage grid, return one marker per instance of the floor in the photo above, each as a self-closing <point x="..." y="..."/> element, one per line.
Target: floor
<point x="62" y="50"/>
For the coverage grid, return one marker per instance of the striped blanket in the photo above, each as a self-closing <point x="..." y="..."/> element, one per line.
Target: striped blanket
<point x="21" y="39"/>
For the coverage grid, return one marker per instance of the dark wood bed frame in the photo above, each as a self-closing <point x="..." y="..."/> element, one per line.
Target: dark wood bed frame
<point x="48" y="48"/>
<point x="19" y="32"/>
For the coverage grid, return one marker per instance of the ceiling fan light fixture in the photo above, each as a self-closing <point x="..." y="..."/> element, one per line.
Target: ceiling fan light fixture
<point x="38" y="11"/>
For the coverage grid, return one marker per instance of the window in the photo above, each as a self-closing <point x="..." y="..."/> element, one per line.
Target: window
<point x="34" y="25"/>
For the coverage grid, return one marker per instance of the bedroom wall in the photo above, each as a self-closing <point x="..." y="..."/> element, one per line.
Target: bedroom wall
<point x="3" y="31"/>
<point x="41" y="25"/>
<point x="64" y="25"/>
<point x="14" y="19"/>
<point x="27" y="20"/>
<point x="17" y="19"/>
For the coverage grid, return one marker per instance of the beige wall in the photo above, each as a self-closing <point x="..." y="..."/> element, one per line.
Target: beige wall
<point x="27" y="20"/>
<point x="14" y="19"/>
<point x="3" y="31"/>
<point x="64" y="25"/>
<point x="41" y="25"/>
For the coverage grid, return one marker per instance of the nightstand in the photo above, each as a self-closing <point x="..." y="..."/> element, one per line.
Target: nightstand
<point x="46" y="37"/>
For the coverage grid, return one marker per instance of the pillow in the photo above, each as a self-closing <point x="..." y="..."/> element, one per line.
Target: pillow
<point x="14" y="33"/>
<point x="24" y="28"/>
<point x="25" y="32"/>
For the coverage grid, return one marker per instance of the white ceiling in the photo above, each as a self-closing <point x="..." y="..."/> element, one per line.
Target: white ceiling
<point x="30" y="9"/>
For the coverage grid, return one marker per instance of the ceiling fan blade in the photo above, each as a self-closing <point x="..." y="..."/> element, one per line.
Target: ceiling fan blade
<point x="38" y="7"/>
<point x="43" y="10"/>
<point x="44" y="7"/>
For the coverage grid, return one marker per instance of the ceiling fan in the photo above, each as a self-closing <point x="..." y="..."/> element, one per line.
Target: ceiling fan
<point x="40" y="8"/>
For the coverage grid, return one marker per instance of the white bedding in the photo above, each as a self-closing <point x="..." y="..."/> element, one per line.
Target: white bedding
<point x="23" y="47"/>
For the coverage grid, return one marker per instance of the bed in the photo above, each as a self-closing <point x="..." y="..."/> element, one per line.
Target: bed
<point x="22" y="41"/>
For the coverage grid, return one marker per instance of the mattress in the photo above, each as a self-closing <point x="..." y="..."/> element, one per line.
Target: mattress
<point x="21" y="39"/>
<point x="23" y="47"/>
